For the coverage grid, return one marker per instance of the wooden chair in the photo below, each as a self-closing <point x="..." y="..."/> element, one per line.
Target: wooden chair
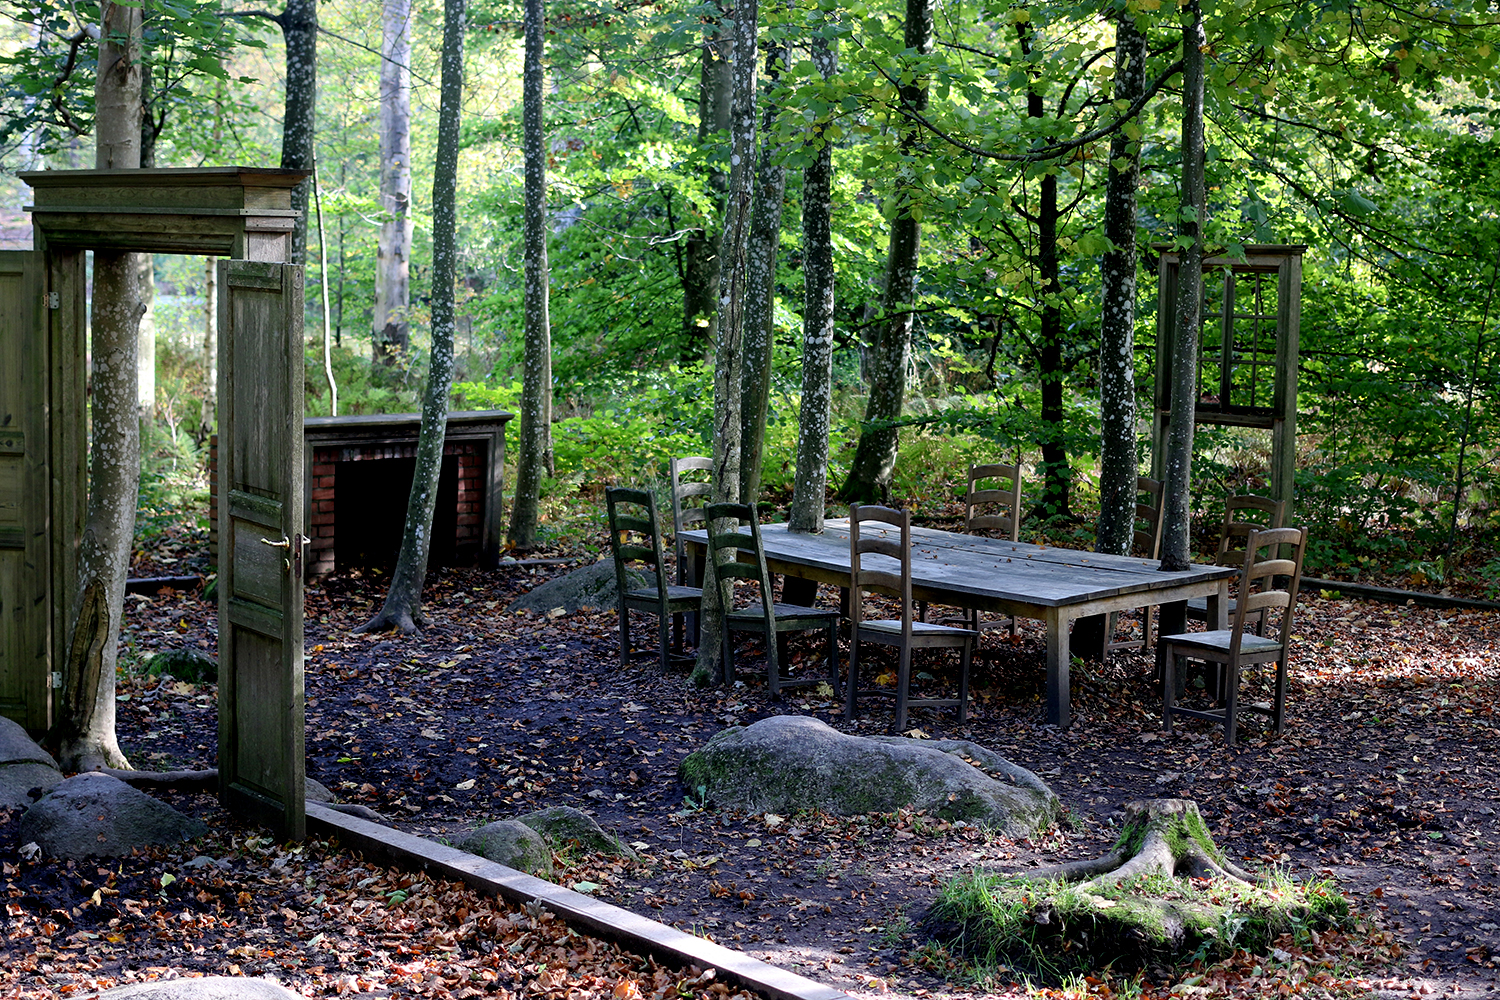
<point x="1242" y="515"/>
<point x="635" y="539"/>
<point x="905" y="633"/>
<point x="1146" y="544"/>
<point x="1236" y="647"/>
<point x="764" y="616"/>
<point x="992" y="511"/>
<point x="688" y="498"/>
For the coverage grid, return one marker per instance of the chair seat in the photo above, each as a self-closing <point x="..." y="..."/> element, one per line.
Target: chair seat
<point x="1220" y="642"/>
<point x="919" y="630"/>
<point x="785" y="614"/>
<point x="688" y="597"/>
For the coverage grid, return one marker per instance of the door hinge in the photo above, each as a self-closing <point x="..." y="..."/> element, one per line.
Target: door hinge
<point x="54" y="301"/>
<point x="57" y="679"/>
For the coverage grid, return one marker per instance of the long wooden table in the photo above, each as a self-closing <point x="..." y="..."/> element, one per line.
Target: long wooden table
<point x="1060" y="587"/>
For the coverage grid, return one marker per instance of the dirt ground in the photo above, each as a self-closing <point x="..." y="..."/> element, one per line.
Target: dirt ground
<point x="1386" y="780"/>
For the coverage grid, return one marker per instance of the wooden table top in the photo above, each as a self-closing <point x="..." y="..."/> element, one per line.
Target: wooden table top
<point x="1039" y="575"/>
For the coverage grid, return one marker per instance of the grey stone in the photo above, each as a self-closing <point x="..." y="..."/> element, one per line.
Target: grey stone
<point x="563" y="825"/>
<point x="510" y="843"/>
<point x="16" y="746"/>
<point x="787" y="763"/>
<point x="314" y="790"/>
<point x="17" y="780"/>
<point x="202" y="988"/>
<point x="95" y="814"/>
<point x="185" y="665"/>
<point x="592" y="586"/>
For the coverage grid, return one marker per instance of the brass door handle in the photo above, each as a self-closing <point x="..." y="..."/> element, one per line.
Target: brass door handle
<point x="285" y="543"/>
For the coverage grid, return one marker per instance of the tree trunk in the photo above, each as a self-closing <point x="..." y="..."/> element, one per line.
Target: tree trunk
<point x="85" y="728"/>
<point x="729" y="345"/>
<point x="875" y="457"/>
<point x="403" y="603"/>
<point x="1174" y="542"/>
<point x="391" y="334"/>
<point x="760" y="290"/>
<point x="145" y="264"/>
<point x="810" y="487"/>
<point x="701" y="275"/>
<point x="299" y="30"/>
<point x="536" y="374"/>
<point x="1118" y="463"/>
<point x="210" y="388"/>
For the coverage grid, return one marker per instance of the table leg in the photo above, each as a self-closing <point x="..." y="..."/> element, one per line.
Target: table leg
<point x="1173" y="619"/>
<point x="1090" y="637"/>
<point x="1218" y="607"/>
<point x="1057" y="668"/>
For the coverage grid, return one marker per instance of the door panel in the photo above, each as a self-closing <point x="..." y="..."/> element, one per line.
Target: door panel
<point x="25" y="553"/>
<point x="261" y="755"/>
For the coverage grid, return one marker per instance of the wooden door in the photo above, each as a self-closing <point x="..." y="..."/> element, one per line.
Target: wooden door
<point x="261" y="755"/>
<point x="25" y="552"/>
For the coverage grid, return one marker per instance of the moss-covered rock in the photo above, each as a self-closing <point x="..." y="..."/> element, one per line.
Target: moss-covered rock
<point x="593" y="586"/>
<point x="787" y="763"/>
<point x="510" y="843"/>
<point x="563" y="826"/>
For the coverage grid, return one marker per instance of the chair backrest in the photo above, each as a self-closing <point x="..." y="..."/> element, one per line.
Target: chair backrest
<point x="633" y="533"/>
<point x="996" y="510"/>
<point x="688" y="497"/>
<point x="1146" y="541"/>
<point x="861" y="544"/>
<point x="731" y="569"/>
<point x="1243" y="514"/>
<point x="1270" y="581"/>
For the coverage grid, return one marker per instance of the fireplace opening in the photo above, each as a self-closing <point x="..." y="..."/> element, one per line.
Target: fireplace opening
<point x="371" y="512"/>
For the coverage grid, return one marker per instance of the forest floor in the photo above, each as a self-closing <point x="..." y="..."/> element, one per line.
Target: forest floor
<point x="1387" y="780"/>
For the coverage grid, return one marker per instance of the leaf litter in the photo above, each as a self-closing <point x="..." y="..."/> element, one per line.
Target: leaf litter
<point x="1386" y="780"/>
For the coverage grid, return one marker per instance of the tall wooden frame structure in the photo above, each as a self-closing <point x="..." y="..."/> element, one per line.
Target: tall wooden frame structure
<point x="1247" y="353"/>
<point x="242" y="213"/>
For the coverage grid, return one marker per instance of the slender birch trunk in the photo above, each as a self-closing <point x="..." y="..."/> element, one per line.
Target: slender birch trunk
<point x="1174" y="543"/>
<point x="299" y="31"/>
<point x="701" y="268"/>
<point x="810" y="486"/>
<point x="403" y="603"/>
<point x="729" y="345"/>
<point x="391" y="333"/>
<point x="760" y="289"/>
<point x="875" y="456"/>
<point x="85" y="728"/>
<point x="1118" y="463"/>
<point x="536" y="374"/>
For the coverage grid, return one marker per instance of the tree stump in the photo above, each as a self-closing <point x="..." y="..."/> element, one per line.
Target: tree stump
<point x="1164" y="895"/>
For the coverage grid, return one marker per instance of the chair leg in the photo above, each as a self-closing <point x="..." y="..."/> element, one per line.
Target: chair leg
<point x="853" y="685"/>
<point x="663" y="628"/>
<point x="903" y="684"/>
<point x="966" y="659"/>
<point x="1278" y="707"/>
<point x="624" y="635"/>
<point x="1146" y="623"/>
<point x="833" y="655"/>
<point x="775" y="645"/>
<point x="921" y="611"/>
<point x="1231" y="701"/>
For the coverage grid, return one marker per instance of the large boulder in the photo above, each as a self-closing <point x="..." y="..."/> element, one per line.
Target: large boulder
<point x="593" y="586"/>
<point x="95" y="814"/>
<point x="24" y="766"/>
<point x="510" y="843"/>
<point x="190" y="665"/>
<point x="564" y="825"/>
<point x="793" y="762"/>
<point x="202" y="988"/>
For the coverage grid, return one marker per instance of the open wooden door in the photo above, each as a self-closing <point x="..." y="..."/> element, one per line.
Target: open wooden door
<point x="25" y="556"/>
<point x="261" y="753"/>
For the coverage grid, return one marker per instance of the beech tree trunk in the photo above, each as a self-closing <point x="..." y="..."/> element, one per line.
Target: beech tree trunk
<point x="875" y="457"/>
<point x="85" y="727"/>
<point x="760" y="290"/>
<point x="1179" y="463"/>
<point x="391" y="335"/>
<point x="1118" y="463"/>
<point x="403" y="602"/>
<point x="810" y="486"/>
<point x="299" y="31"/>
<point x="536" y="374"/>
<point x="729" y="345"/>
<point x="701" y="268"/>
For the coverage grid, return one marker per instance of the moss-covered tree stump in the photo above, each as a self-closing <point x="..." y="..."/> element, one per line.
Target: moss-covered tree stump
<point x="1165" y="894"/>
